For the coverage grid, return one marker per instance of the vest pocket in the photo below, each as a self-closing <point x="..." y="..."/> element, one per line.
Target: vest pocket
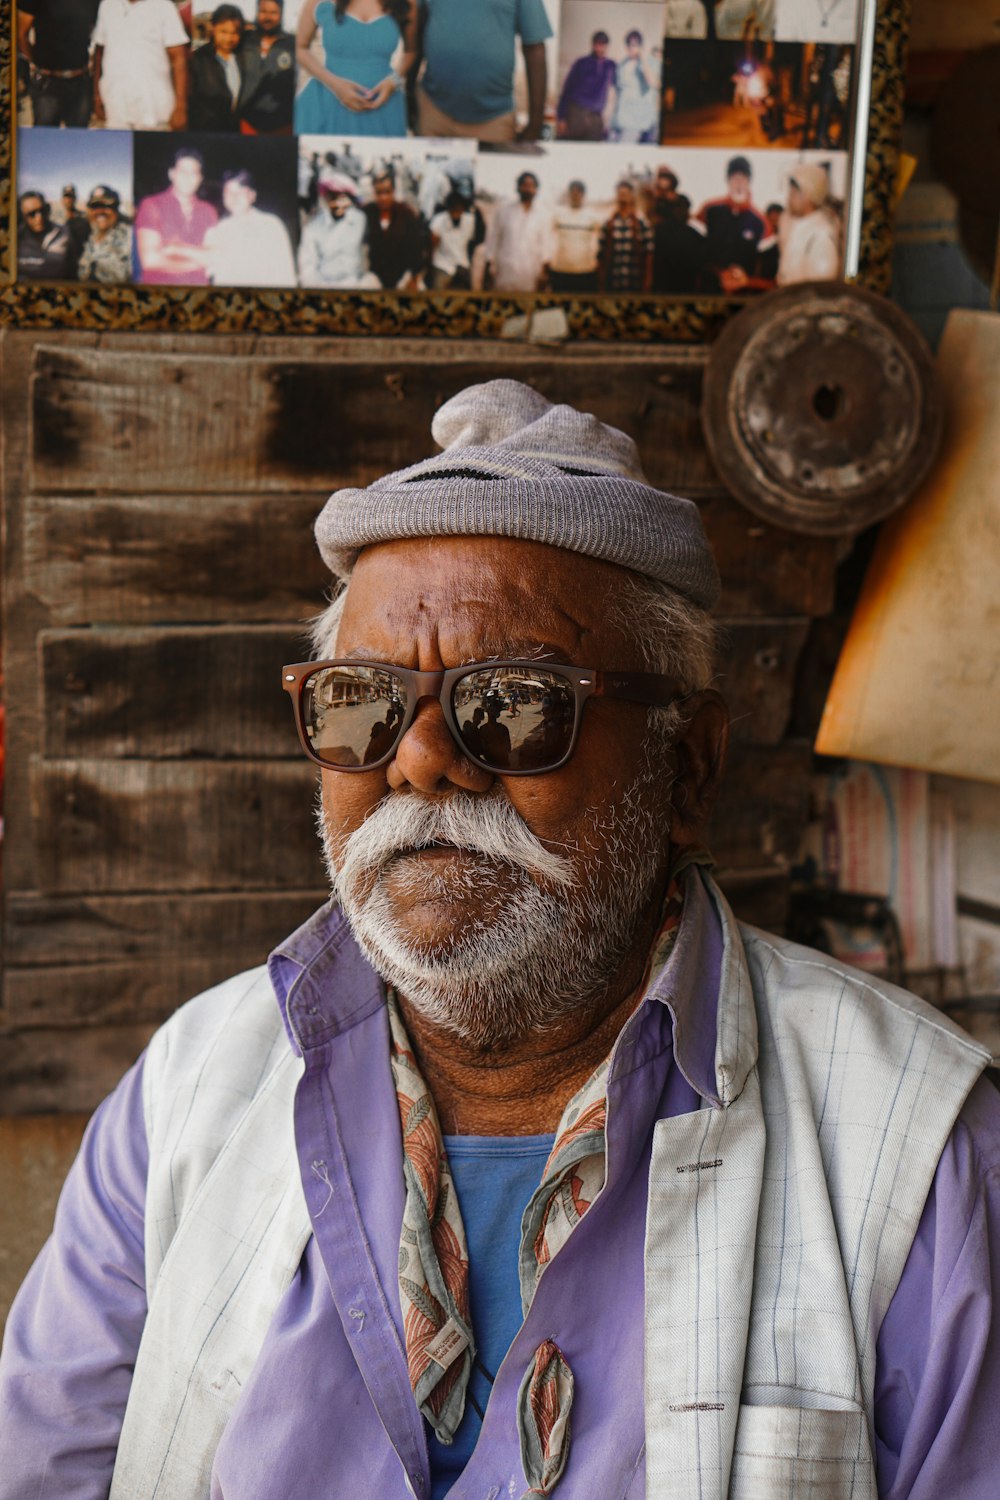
<point x="795" y="1453"/>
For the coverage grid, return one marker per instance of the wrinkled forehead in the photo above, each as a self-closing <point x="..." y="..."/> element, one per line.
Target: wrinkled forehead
<point x="475" y="596"/>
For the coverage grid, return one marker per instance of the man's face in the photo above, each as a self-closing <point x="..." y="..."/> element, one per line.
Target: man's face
<point x="739" y="187"/>
<point x="798" y="204"/>
<point x="268" y="17"/>
<point x="493" y="902"/>
<point x="69" y="202"/>
<point x="384" y="194"/>
<point x="226" y="36"/>
<point x="666" y="185"/>
<point x="102" y="217"/>
<point x="600" y="48"/>
<point x="337" y="203"/>
<point x="576" y="196"/>
<point x="185" y="176"/>
<point x="625" y="198"/>
<point x="527" y="188"/>
<point x="35" y="212"/>
<point x="238" y="197"/>
<point x="634" y="46"/>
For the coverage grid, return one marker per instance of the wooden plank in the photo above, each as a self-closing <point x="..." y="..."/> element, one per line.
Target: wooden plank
<point x="65" y="1069"/>
<point x="132" y="992"/>
<point x="23" y="614"/>
<point x="118" y="422"/>
<point x="250" y="557"/>
<point x="757" y="667"/>
<point x="35" y="1155"/>
<point x="176" y="557"/>
<point x="764" y="570"/>
<point x="140" y="825"/>
<point x="40" y="931"/>
<point x="762" y="807"/>
<point x="164" y="694"/>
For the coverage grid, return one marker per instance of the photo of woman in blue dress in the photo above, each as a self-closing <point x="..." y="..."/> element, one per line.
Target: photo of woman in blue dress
<point x="355" y="90"/>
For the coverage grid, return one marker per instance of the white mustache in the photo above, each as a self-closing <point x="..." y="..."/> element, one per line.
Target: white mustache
<point x="485" y="825"/>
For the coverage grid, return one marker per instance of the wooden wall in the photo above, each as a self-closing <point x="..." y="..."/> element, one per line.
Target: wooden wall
<point x="158" y="570"/>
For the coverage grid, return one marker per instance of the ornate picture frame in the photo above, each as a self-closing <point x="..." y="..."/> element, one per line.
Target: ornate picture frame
<point x="606" y="315"/>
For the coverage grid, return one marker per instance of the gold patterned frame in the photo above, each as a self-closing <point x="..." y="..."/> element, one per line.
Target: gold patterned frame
<point x="646" y="319"/>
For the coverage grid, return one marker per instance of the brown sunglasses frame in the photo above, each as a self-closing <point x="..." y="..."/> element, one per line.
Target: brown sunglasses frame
<point x="649" y="688"/>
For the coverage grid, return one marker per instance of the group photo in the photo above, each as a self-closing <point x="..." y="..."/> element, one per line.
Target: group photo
<point x="394" y="216"/>
<point x="383" y="68"/>
<point x="691" y="223"/>
<point x="75" y="206"/>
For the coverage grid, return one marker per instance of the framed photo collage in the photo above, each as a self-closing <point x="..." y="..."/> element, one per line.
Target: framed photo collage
<point x="586" y="148"/>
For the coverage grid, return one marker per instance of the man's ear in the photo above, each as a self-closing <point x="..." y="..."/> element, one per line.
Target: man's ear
<point x="700" y="754"/>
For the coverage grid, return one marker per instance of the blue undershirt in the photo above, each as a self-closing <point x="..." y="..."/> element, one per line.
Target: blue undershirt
<point x="494" y="1178"/>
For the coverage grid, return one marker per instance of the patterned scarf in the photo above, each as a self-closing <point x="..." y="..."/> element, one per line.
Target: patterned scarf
<point x="434" y="1257"/>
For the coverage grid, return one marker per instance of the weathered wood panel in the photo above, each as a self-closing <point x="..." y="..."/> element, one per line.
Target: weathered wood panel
<point x="174" y="692"/>
<point x="757" y="664"/>
<point x="762" y="807"/>
<point x="120" y="422"/>
<point x="65" y="1069"/>
<point x="253" y="557"/>
<point x="169" y="693"/>
<point x="137" y="992"/>
<point x="766" y="571"/>
<point x="115" y="993"/>
<point x="140" y="825"/>
<point x="176" y="557"/>
<point x="42" y="931"/>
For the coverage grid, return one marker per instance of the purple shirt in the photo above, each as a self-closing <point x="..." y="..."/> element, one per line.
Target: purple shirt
<point x="164" y="212"/>
<point x="588" y="84"/>
<point x="329" y="1401"/>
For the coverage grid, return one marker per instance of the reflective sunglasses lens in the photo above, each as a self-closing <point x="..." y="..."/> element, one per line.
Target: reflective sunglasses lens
<point x="352" y="714"/>
<point x="515" y="718"/>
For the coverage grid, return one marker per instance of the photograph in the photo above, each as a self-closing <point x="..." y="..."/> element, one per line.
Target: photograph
<point x="215" y="211"/>
<point x="688" y="223"/>
<point x="816" y="20"/>
<point x="157" y="66"/>
<point x="610" y="67"/>
<point x="74" y="202"/>
<point x="396" y="215"/>
<point x="757" y="95"/>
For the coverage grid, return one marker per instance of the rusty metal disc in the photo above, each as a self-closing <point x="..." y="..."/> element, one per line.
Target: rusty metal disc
<point x="821" y="408"/>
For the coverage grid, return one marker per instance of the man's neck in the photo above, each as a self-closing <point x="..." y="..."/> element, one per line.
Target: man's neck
<point x="522" y="1087"/>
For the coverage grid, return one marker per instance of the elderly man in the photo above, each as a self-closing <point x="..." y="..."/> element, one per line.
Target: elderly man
<point x="522" y="1168"/>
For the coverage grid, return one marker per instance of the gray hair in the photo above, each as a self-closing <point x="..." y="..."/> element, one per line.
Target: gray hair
<point x="675" y="636"/>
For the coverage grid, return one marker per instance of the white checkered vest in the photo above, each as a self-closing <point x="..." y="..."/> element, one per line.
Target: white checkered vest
<point x="778" y="1227"/>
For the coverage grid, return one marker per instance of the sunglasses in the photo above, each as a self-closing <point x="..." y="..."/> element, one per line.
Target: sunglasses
<point x="514" y="718"/>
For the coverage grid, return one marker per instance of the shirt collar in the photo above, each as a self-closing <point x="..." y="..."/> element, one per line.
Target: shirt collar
<point x="324" y="986"/>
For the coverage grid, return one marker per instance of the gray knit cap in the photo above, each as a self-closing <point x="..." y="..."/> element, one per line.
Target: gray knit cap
<point x="515" y="465"/>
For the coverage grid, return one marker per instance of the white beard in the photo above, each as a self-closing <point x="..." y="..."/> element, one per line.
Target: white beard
<point x="546" y="941"/>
